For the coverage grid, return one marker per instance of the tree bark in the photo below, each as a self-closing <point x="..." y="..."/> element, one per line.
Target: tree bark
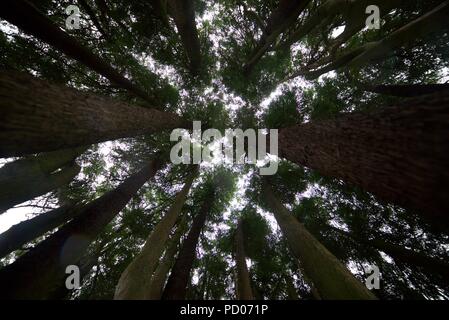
<point x="243" y="285"/>
<point x="331" y="278"/>
<point x="25" y="16"/>
<point x="183" y="13"/>
<point x="400" y="254"/>
<point x="22" y="233"/>
<point x="135" y="281"/>
<point x="28" y="178"/>
<point x="39" y="117"/>
<point x="41" y="271"/>
<point x="160" y="275"/>
<point x="177" y="283"/>
<point x="398" y="153"/>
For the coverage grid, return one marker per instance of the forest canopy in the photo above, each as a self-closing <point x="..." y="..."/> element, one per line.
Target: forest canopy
<point x="90" y="91"/>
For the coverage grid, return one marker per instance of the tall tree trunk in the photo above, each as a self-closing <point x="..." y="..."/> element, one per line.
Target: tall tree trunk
<point x="183" y="13"/>
<point x="400" y="254"/>
<point x="332" y="279"/>
<point x="40" y="272"/>
<point x="22" y="233"/>
<point x="25" y="16"/>
<point x="135" y="280"/>
<point x="398" y="153"/>
<point x="161" y="273"/>
<point x="407" y="90"/>
<point x="28" y="178"/>
<point x="39" y="117"/>
<point x="243" y="285"/>
<point x="178" y="280"/>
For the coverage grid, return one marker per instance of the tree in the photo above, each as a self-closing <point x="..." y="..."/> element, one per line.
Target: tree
<point x="332" y="279"/>
<point x="177" y="282"/>
<point x="39" y="273"/>
<point x="27" y="178"/>
<point x="160" y="275"/>
<point x="53" y="111"/>
<point x="243" y="283"/>
<point x="28" y="18"/>
<point x="135" y="281"/>
<point x="22" y="233"/>
<point x="367" y="150"/>
<point x="437" y="266"/>
<point x="183" y="13"/>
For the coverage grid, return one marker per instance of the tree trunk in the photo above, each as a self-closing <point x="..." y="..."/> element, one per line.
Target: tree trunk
<point x="22" y="233"/>
<point x="39" y="117"/>
<point x="407" y="90"/>
<point x="178" y="280"/>
<point x="398" y="153"/>
<point x="400" y="254"/>
<point x="28" y="178"/>
<point x="329" y="275"/>
<point x="40" y="272"/>
<point x="135" y="280"/>
<point x="25" y="16"/>
<point x="243" y="285"/>
<point x="160" y="275"/>
<point x="183" y="13"/>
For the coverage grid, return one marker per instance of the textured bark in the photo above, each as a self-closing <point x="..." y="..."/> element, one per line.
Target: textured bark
<point x="178" y="280"/>
<point x="33" y="176"/>
<point x="332" y="279"/>
<point x="25" y="16"/>
<point x="41" y="271"/>
<point x="183" y="12"/>
<point x="135" y="280"/>
<point x="400" y="254"/>
<point x="243" y="285"/>
<point x="22" y="233"/>
<point x="281" y="19"/>
<point x="39" y="117"/>
<point x="161" y="273"/>
<point x="398" y="153"/>
<point x="431" y="22"/>
<point x="407" y="90"/>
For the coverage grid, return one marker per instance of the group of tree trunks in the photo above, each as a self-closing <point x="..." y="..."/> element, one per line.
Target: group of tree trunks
<point x="398" y="153"/>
